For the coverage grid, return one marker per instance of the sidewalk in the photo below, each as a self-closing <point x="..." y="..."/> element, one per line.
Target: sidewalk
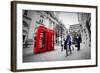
<point x="58" y="55"/>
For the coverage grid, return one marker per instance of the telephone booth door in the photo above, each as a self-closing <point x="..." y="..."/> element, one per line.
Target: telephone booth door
<point x="50" y="40"/>
<point x="40" y="40"/>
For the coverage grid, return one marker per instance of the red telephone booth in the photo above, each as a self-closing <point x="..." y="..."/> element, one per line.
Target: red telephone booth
<point x="40" y="40"/>
<point x="50" y="40"/>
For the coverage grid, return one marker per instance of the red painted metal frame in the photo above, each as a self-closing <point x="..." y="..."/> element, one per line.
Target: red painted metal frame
<point x="37" y="48"/>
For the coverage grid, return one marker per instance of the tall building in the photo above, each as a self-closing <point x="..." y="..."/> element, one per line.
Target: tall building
<point x="26" y="26"/>
<point x="85" y="21"/>
<point x="75" y="28"/>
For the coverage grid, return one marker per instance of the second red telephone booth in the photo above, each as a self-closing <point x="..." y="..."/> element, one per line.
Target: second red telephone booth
<point x="50" y="43"/>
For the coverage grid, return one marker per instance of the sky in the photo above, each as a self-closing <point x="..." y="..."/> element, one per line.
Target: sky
<point x="68" y="18"/>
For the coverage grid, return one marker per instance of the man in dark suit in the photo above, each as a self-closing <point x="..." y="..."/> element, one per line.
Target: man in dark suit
<point x="67" y="44"/>
<point x="79" y="40"/>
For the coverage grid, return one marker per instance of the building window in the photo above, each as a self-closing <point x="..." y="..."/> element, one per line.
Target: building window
<point x="25" y="12"/>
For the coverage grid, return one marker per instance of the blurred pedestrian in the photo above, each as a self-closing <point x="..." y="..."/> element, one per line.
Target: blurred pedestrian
<point x="62" y="45"/>
<point x="79" y="40"/>
<point x="67" y="44"/>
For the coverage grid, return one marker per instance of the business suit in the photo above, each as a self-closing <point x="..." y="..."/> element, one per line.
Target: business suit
<point x="67" y="44"/>
<point x="78" y="42"/>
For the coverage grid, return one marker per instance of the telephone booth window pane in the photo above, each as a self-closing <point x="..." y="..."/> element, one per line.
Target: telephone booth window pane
<point x="42" y="40"/>
<point x="51" y="41"/>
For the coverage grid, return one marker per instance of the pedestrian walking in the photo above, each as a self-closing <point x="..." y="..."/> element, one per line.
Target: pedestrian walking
<point x="65" y="47"/>
<point x="79" y="40"/>
<point x="67" y="44"/>
<point x="62" y="45"/>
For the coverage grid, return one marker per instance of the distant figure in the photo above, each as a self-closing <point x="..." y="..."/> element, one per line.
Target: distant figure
<point x="67" y="44"/>
<point x="62" y="45"/>
<point x="79" y="40"/>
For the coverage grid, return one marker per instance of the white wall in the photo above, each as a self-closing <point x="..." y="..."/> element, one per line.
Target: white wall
<point x="35" y="17"/>
<point x="5" y="37"/>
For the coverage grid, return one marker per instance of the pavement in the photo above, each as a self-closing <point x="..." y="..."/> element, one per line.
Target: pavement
<point x="58" y="55"/>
